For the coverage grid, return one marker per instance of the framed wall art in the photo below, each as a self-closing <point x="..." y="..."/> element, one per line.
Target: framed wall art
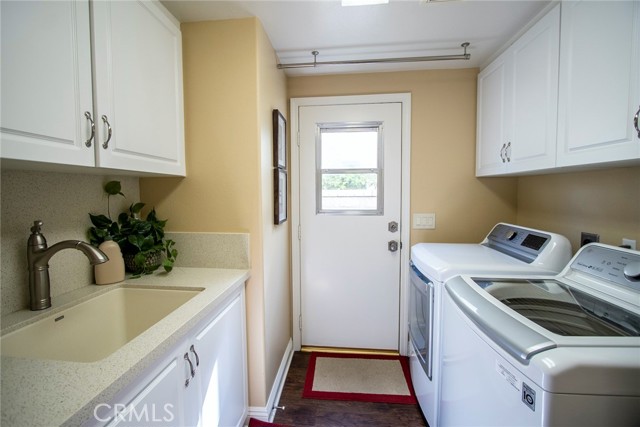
<point x="279" y="140"/>
<point x="280" y="195"/>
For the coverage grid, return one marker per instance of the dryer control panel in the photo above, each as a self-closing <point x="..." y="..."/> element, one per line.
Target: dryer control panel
<point x="519" y="242"/>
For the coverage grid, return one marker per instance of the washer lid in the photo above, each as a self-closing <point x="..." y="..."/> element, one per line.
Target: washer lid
<point x="561" y="309"/>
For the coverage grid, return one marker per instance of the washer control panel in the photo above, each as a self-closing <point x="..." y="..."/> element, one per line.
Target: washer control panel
<point x="619" y="266"/>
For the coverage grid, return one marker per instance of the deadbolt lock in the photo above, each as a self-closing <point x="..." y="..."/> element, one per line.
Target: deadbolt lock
<point x="392" y="245"/>
<point x="393" y="226"/>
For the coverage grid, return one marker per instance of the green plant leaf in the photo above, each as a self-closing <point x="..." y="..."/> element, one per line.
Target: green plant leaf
<point x="136" y="208"/>
<point x="147" y="243"/>
<point x="113" y="187"/>
<point x="139" y="260"/>
<point x="100" y="221"/>
<point x="123" y="218"/>
<point x="136" y="240"/>
<point x="167" y="265"/>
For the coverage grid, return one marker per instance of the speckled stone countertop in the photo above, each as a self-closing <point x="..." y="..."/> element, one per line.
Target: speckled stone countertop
<point x="52" y="392"/>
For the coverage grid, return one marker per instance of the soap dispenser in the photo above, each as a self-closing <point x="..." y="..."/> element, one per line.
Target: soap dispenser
<point x="111" y="271"/>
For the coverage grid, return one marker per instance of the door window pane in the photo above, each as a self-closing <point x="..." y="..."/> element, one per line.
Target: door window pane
<point x="344" y="149"/>
<point x="349" y="191"/>
<point x="349" y="169"/>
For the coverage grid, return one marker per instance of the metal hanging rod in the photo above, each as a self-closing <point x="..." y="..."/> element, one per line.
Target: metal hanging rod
<point x="315" y="63"/>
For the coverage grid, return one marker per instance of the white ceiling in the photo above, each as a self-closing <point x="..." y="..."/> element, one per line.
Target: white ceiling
<point x="402" y="28"/>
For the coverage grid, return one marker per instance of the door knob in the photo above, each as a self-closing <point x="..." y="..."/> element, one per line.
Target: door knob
<point x="392" y="246"/>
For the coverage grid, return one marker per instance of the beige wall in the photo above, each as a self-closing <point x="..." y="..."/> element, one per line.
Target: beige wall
<point x="605" y="202"/>
<point x="443" y="179"/>
<point x="230" y="87"/>
<point x="443" y="138"/>
<point x="272" y="86"/>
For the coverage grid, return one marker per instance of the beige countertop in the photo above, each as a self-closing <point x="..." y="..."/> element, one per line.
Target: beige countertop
<point x="52" y="392"/>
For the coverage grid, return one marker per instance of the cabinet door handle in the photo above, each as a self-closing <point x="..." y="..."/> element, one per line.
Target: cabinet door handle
<point x="193" y="350"/>
<point x="504" y="146"/>
<point x="635" y="121"/>
<point x="105" y="144"/>
<point x="93" y="128"/>
<point x="193" y="371"/>
<point x="507" y="152"/>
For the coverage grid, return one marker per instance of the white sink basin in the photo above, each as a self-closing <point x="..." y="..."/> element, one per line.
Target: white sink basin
<point x="94" y="329"/>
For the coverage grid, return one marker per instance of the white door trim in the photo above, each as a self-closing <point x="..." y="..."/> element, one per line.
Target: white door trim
<point x="405" y="100"/>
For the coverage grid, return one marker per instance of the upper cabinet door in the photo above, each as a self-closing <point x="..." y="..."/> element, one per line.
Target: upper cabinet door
<point x="532" y="133"/>
<point x="517" y="103"/>
<point x="138" y="87"/>
<point x="494" y="116"/>
<point x="599" y="90"/>
<point x="46" y="82"/>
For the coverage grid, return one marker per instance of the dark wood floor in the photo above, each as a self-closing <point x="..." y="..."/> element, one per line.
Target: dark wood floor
<point x="301" y="412"/>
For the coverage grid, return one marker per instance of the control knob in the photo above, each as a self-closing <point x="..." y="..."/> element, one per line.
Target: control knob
<point x="632" y="271"/>
<point x="511" y="234"/>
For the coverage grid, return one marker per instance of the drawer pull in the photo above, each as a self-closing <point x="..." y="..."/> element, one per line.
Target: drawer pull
<point x="193" y="350"/>
<point x="193" y="371"/>
<point x="635" y="122"/>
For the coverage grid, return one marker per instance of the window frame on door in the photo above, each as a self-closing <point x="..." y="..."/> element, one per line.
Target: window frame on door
<point x="378" y="170"/>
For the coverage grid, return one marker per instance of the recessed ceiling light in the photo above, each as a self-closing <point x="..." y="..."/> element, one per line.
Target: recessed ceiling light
<point x="363" y="2"/>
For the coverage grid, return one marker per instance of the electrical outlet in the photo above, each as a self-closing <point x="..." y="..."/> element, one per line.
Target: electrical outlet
<point x="586" y="238"/>
<point x="630" y="243"/>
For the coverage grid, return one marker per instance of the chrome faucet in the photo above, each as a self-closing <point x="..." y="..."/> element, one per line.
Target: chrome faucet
<point x="38" y="256"/>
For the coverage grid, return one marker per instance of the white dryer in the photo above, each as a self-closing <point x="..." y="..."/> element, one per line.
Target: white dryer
<point x="540" y="351"/>
<point x="507" y="249"/>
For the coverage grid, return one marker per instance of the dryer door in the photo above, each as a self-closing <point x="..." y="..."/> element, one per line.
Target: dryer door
<point x="421" y="307"/>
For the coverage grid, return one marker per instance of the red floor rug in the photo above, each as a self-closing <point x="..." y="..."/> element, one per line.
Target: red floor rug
<point x="257" y="423"/>
<point x="359" y="377"/>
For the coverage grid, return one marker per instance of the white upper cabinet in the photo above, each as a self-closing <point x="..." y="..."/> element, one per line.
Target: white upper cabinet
<point x="517" y="103"/>
<point x="599" y="82"/>
<point x="494" y="115"/>
<point x="46" y="82"/>
<point x="138" y="87"/>
<point x="128" y="82"/>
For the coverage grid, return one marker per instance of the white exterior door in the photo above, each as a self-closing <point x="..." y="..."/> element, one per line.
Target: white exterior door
<point x="350" y="198"/>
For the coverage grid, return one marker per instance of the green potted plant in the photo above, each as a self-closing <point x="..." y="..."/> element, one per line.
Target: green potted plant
<point x="141" y="241"/>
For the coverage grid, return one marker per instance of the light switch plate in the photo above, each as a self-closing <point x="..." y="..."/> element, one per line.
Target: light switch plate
<point x="424" y="221"/>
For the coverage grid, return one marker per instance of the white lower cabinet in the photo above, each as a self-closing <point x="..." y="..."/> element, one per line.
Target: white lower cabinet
<point x="203" y="382"/>
<point x="222" y="377"/>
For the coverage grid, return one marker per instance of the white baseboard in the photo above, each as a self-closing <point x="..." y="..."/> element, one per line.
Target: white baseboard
<point x="267" y="412"/>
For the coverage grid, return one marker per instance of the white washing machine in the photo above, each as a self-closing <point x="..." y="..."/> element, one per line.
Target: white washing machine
<point x="540" y="351"/>
<point x="507" y="249"/>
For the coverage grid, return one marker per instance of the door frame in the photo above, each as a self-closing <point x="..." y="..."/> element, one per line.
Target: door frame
<point x="405" y="230"/>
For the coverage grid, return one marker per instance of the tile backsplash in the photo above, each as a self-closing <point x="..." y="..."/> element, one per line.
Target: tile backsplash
<point x="62" y="202"/>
